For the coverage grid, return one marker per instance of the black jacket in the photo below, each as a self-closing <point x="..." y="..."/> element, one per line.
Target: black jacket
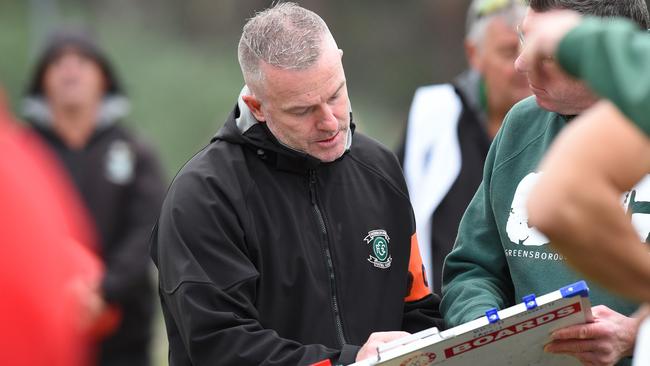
<point x="122" y="185"/>
<point x="123" y="206"/>
<point x="265" y="254"/>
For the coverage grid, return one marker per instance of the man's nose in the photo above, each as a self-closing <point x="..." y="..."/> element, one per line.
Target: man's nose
<point x="521" y="65"/>
<point x="327" y="119"/>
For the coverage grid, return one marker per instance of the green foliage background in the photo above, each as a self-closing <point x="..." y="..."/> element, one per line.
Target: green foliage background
<point x="179" y="64"/>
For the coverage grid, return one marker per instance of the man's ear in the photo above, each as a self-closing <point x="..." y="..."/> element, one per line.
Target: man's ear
<point x="255" y="107"/>
<point x="472" y="53"/>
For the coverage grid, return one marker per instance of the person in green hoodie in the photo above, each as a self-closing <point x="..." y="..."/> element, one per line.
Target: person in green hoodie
<point x="576" y="203"/>
<point x="498" y="258"/>
<point x="560" y="205"/>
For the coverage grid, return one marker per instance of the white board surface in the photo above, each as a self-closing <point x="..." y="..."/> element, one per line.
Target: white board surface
<point x="516" y="338"/>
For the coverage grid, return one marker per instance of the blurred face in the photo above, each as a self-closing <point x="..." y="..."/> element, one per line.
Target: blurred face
<point x="494" y="60"/>
<point x="73" y="80"/>
<point x="554" y="90"/>
<point x="307" y="110"/>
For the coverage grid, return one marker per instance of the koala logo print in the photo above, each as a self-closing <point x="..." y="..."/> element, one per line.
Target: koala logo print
<point x="519" y="232"/>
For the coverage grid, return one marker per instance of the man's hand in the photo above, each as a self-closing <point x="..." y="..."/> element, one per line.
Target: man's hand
<point x="91" y="302"/>
<point x="375" y="340"/>
<point x="545" y="32"/>
<point x="604" y="342"/>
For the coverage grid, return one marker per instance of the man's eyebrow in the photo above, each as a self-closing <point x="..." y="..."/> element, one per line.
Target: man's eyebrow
<point x="339" y="88"/>
<point x="297" y="108"/>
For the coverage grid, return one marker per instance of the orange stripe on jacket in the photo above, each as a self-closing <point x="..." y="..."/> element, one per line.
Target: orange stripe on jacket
<point x="419" y="288"/>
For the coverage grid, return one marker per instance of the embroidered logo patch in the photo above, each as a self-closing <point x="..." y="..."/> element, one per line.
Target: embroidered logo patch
<point x="378" y="240"/>
<point x="120" y="163"/>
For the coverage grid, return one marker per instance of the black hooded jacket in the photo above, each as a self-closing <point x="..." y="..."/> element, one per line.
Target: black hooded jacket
<point x="121" y="182"/>
<point x="269" y="257"/>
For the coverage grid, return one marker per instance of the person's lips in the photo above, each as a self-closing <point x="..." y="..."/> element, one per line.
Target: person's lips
<point x="536" y="90"/>
<point x="329" y="139"/>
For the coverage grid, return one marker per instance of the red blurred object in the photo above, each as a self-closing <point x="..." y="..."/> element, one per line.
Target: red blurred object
<point x="106" y="323"/>
<point x="322" y="363"/>
<point x="46" y="252"/>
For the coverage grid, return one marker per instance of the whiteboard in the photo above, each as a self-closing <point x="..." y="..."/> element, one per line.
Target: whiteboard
<point x="512" y="336"/>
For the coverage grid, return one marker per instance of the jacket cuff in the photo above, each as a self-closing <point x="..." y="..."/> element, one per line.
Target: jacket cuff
<point x="348" y="354"/>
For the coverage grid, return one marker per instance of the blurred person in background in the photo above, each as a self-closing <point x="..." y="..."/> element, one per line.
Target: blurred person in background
<point x="290" y="238"/>
<point x="74" y="103"/>
<point x="50" y="313"/>
<point x="450" y="128"/>
<point x="499" y="256"/>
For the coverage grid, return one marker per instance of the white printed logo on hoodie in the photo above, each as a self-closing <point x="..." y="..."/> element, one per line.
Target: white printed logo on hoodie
<point x="519" y="232"/>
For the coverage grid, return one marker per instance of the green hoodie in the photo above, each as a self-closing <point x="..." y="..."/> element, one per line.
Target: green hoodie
<point x="498" y="258"/>
<point x="613" y="57"/>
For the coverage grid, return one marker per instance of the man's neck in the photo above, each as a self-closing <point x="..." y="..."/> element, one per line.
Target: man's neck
<point x="74" y="125"/>
<point x="493" y="124"/>
<point x="495" y="117"/>
<point x="578" y="109"/>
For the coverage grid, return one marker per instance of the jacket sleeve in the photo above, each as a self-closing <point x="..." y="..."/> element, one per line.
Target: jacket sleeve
<point x="208" y="282"/>
<point x="475" y="274"/>
<point x="613" y="57"/>
<point x="421" y="307"/>
<point x="128" y="266"/>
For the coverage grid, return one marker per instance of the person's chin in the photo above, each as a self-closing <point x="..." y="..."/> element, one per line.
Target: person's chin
<point x="71" y="102"/>
<point x="331" y="154"/>
<point x="544" y="103"/>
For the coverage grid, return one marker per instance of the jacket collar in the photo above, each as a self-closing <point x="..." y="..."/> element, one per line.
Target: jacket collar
<point x="113" y="108"/>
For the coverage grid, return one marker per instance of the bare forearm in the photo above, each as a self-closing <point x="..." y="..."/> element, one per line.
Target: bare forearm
<point x="577" y="201"/>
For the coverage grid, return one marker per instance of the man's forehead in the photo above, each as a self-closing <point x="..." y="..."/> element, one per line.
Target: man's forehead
<point x="531" y="15"/>
<point x="317" y="79"/>
<point x="69" y="50"/>
<point x="501" y="25"/>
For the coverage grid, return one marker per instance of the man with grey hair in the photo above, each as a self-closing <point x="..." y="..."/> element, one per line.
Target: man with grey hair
<point x="290" y="238"/>
<point x="499" y="257"/>
<point x="451" y="125"/>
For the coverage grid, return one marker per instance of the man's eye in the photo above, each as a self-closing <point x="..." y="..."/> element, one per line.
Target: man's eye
<point x="300" y="112"/>
<point x="334" y="97"/>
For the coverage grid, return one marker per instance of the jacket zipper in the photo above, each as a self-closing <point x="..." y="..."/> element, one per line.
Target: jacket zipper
<point x="328" y="256"/>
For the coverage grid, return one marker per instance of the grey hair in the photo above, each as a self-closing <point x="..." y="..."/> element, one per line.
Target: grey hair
<point x="511" y="11"/>
<point x="635" y="10"/>
<point x="286" y="36"/>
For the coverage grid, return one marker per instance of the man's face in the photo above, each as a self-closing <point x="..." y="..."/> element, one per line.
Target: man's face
<point x="554" y="90"/>
<point x="307" y="110"/>
<point x="73" y="80"/>
<point x="494" y="60"/>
